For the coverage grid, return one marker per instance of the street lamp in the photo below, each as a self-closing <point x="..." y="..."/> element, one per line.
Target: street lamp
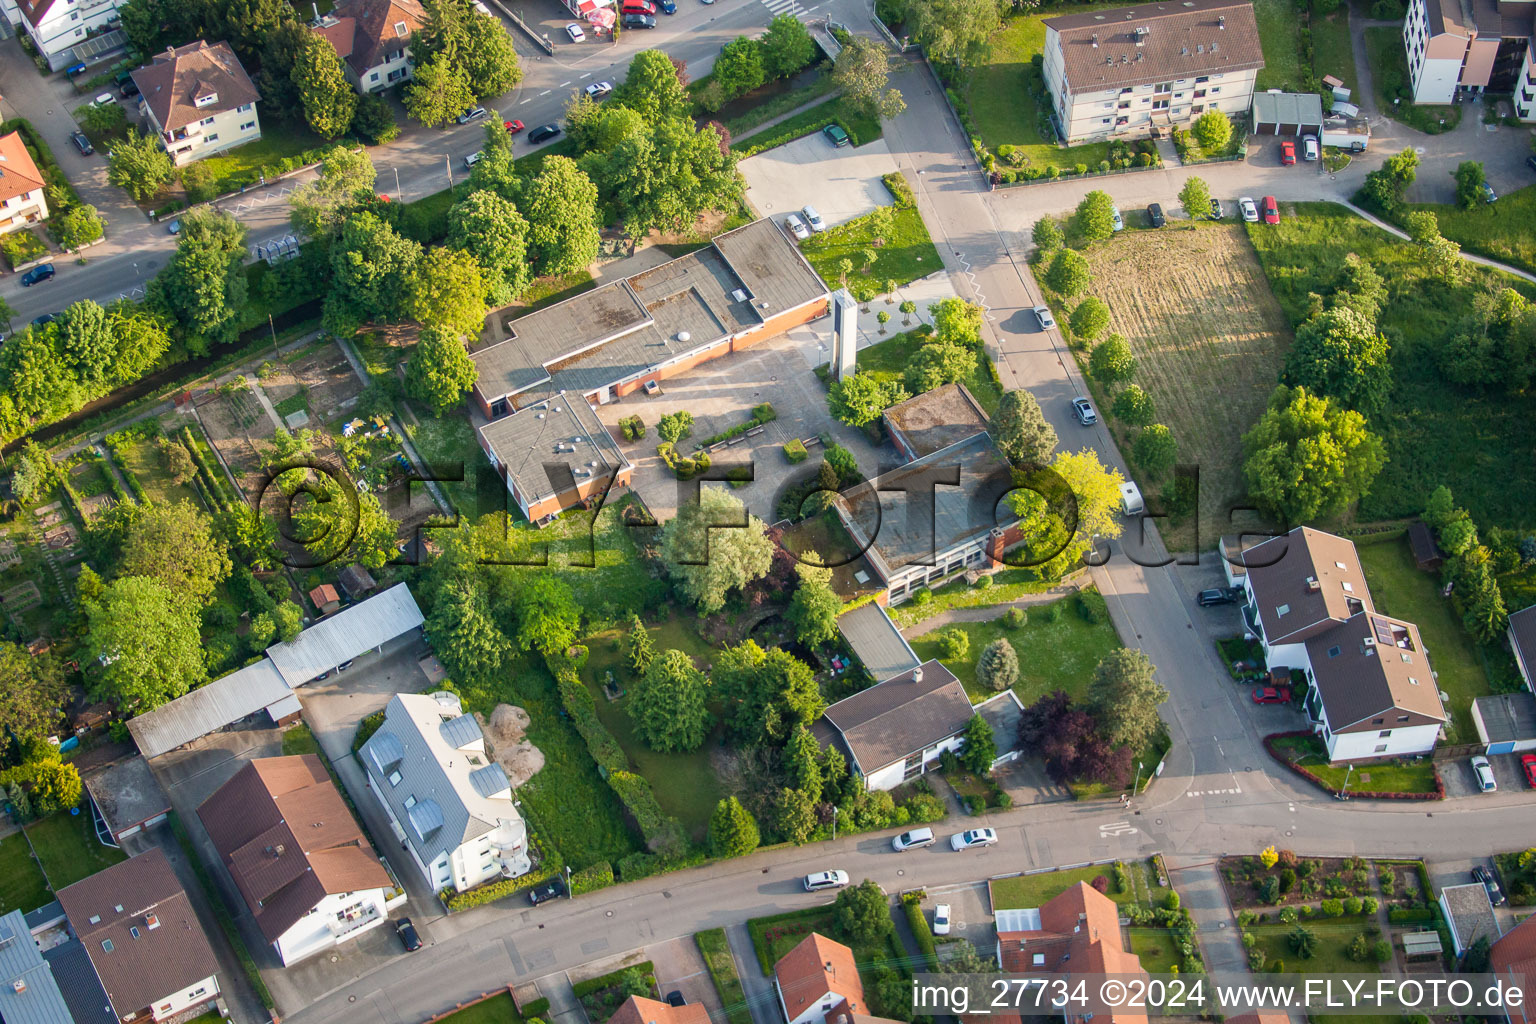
<point x="569" y="892"/>
<point x="1135" y="786"/>
<point x="1343" y="793"/>
<point x="834" y="822"/>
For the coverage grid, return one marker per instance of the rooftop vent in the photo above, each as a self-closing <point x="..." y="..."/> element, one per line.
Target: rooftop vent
<point x="1184" y="51"/>
<point x="684" y="336"/>
<point x="1095" y="40"/>
<point x="19" y="986"/>
<point x="1214" y="47"/>
<point x="538" y="415"/>
<point x="152" y="922"/>
<point x="1312" y="585"/>
<point x="917" y="674"/>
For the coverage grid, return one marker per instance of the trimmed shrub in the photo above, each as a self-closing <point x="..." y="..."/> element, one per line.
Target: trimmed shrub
<point x="591" y="879"/>
<point x="795" y="451"/>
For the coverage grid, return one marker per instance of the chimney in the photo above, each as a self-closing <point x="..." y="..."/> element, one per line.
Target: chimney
<point x="19" y="986"/>
<point x="1312" y="585"/>
<point x="1095" y="40"/>
<point x="917" y="674"/>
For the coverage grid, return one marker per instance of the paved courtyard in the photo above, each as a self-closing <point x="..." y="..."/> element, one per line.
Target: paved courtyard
<point x="841" y="183"/>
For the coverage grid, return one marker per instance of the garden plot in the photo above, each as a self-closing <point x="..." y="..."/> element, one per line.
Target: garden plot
<point x="317" y="380"/>
<point x="236" y="425"/>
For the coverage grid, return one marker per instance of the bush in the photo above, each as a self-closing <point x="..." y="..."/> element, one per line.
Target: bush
<point x="480" y="895"/>
<point x="633" y="428"/>
<point x="1100" y="883"/>
<point x="918" y="922"/>
<point x="591" y="879"/>
<point x="795" y="451"/>
<point x="1333" y="908"/>
<point x="675" y="426"/>
<point x="537" y="1008"/>
<point x="901" y="192"/>
<point x="1014" y="618"/>
<point x="1092" y="607"/>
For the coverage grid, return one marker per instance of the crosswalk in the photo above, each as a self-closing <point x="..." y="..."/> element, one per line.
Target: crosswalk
<point x="785" y="6"/>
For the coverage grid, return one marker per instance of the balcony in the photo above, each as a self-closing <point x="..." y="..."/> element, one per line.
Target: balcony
<point x="1251" y="620"/>
<point x="353" y="919"/>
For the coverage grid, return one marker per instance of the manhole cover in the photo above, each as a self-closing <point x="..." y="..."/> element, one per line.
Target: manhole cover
<point x="901" y="871"/>
<point x="351" y="999"/>
<point x="1289" y="832"/>
<point x="334" y="958"/>
<point x="608" y="913"/>
<point x="1157" y="821"/>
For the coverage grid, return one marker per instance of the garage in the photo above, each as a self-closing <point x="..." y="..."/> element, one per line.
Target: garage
<point x="1287" y="113"/>
<point x="1506" y="722"/>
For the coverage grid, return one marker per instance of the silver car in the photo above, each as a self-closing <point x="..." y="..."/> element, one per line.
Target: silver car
<point x="813" y="219"/>
<point x="825" y="880"/>
<point x="974" y="838"/>
<point x="1483" y="771"/>
<point x="1250" y="212"/>
<point x="797" y="226"/>
<point x="1119" y="223"/>
<point x="1043" y="314"/>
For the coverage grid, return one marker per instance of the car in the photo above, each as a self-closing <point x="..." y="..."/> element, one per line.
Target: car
<point x="105" y="99"/>
<point x="1083" y="410"/>
<point x="82" y="143"/>
<point x="667" y="6"/>
<point x="1480" y="873"/>
<point x="174" y="227"/>
<point x="1271" y="695"/>
<point x="474" y="158"/>
<point x="941" y="919"/>
<point x="1218" y="595"/>
<point x="638" y="21"/>
<point x="825" y="880"/>
<point x="1530" y="162"/>
<point x="1309" y="148"/>
<point x="976" y="837"/>
<point x="675" y="998"/>
<point x="638" y="7"/>
<point x="544" y="133"/>
<point x="128" y="88"/>
<point x="37" y="275"/>
<point x="408" y="937"/>
<point x="43" y="320"/>
<point x="546" y="891"/>
<point x="813" y="219"/>
<point x="1271" y="210"/>
<point x="344" y="665"/>
<point x="797" y="226"/>
<point x="1489" y="195"/>
<point x="1118" y="223"/>
<point x="913" y="840"/>
<point x="1043" y="314"/>
<point x="1528" y="766"/>
<point x="706" y="1"/>
<point x="512" y="127"/>
<point x="1131" y="502"/>
<point x="1155" y="215"/>
<point x="1215" y="208"/>
<point x="574" y="31"/>
<point x="472" y="114"/>
<point x="1482" y="771"/>
<point x="1248" y="210"/>
<point x="1287" y="153"/>
<point x="599" y="90"/>
<point x="836" y="136"/>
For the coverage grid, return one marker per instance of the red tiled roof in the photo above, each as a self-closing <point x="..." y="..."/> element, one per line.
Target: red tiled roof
<point x="1079" y="931"/>
<point x="18" y="173"/>
<point x="365" y="30"/>
<point x="640" y="1010"/>
<point x="814" y="968"/>
<point x="1515" y="954"/>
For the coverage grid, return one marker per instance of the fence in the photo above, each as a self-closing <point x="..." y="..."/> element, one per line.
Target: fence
<point x="540" y="40"/>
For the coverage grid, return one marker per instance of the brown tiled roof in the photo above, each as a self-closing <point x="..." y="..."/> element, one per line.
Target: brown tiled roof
<point x="1374" y="666"/>
<point x="35" y="10"/>
<point x="1522" y="637"/>
<point x="140" y="894"/>
<point x="815" y="967"/>
<point x="1278" y="571"/>
<point x="640" y="1010"/>
<point x="18" y="173"/>
<point x="1515" y="954"/>
<point x="365" y="30"/>
<point x="323" y="595"/>
<point x="1180" y="40"/>
<point x="1260" y="1017"/>
<point x="171" y="84"/>
<point x="288" y="839"/>
<point x="905" y="713"/>
<point x="1079" y="932"/>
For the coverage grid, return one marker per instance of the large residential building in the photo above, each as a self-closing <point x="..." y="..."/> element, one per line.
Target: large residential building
<point x="69" y="32"/>
<point x="198" y="100"/>
<point x="537" y="370"/>
<point x="1522" y="640"/>
<point x="21" y="186"/>
<point x="28" y="992"/>
<point x="1472" y="46"/>
<point x="449" y="802"/>
<point x="309" y="877"/>
<point x="1370" y="689"/>
<point x="373" y="38"/>
<point x="143" y="938"/>
<point x="1130" y="72"/>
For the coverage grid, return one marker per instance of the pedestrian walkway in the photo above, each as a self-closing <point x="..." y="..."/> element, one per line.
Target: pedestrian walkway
<point x="761" y="1000"/>
<point x="988" y="612"/>
<point x="1204" y="896"/>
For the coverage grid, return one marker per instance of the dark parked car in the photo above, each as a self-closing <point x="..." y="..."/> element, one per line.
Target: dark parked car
<point x="1219" y="595"/>
<point x="37" y="274"/>
<point x="1483" y="875"/>
<point x="408" y="937"/>
<point x="638" y="21"/>
<point x="42" y="321"/>
<point x="1155" y="215"/>
<point x="82" y="143"/>
<point x="550" y="890"/>
<point x="675" y="998"/>
<point x="1530" y="162"/>
<point x="836" y="136"/>
<point x="544" y="133"/>
<point x="128" y="88"/>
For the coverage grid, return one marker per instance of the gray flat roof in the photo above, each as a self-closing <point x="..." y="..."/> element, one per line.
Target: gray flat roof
<point x="877" y="641"/>
<point x="27" y="988"/>
<point x="1304" y="108"/>
<point x="1506" y="716"/>
<point x="208" y="708"/>
<point x="1471" y="914"/>
<point x="939" y="418"/>
<point x="127" y="794"/>
<point x="343" y="636"/>
<point x="562" y="430"/>
<point x="1002" y="713"/>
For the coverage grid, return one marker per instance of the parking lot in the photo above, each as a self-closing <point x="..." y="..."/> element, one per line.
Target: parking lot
<point x="841" y="183"/>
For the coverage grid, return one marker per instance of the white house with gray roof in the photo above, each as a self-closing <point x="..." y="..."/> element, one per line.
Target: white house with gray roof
<point x="449" y="803"/>
<point x="28" y="993"/>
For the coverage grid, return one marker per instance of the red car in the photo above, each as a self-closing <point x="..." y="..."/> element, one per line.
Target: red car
<point x="1271" y="695"/>
<point x="1528" y="765"/>
<point x="1287" y="153"/>
<point x="513" y="127"/>
<point x="1270" y="210"/>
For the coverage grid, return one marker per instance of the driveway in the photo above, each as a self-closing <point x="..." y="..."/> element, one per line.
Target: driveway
<point x="841" y="183"/>
<point x="680" y="967"/>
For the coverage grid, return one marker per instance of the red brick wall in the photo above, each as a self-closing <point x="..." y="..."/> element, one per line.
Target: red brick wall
<point x="571" y="498"/>
<point x="1001" y="543"/>
<point x="479" y="401"/>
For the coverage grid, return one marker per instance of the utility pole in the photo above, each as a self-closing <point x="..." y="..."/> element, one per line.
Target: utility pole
<point x="399" y="196"/>
<point x="448" y="163"/>
<point x="276" y="354"/>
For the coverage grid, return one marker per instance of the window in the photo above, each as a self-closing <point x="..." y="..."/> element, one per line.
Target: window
<point x="373" y="77"/>
<point x="394" y="778"/>
<point x="1381" y="748"/>
<point x="1413" y="681"/>
<point x="74" y="15"/>
<point x="242" y="108"/>
<point x="214" y="137"/>
<point x="1384" y="734"/>
<point x="1402" y="718"/>
<point x="207" y="100"/>
<point x="95" y="919"/>
<point x="106" y="945"/>
<point x="397" y="74"/>
<point x="1163" y="87"/>
<point x="410" y="801"/>
<point x="1377" y="721"/>
<point x="1349" y="588"/>
<point x="1039" y="960"/>
<point x="401" y="29"/>
<point x="248" y="126"/>
<point x="133" y="930"/>
<point x="1202" y="79"/>
<point x="1199" y="94"/>
<point x="1282" y="611"/>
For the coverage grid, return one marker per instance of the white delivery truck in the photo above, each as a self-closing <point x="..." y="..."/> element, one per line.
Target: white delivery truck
<point x="1130" y="499"/>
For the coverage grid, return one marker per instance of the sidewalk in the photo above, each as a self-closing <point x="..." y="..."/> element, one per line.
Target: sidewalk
<point x="1199" y="885"/>
<point x="761" y="1000"/>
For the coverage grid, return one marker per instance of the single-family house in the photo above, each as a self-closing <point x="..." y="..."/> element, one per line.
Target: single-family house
<point x="896" y="729"/>
<point x="309" y="876"/>
<point x="28" y="992"/>
<point x="1469" y="915"/>
<point x="640" y="1010"/>
<point x="70" y="32"/>
<point x="21" y="186"/>
<point x="373" y="39"/>
<point x="447" y="799"/>
<point x="143" y="938"/>
<point x="1512" y="958"/>
<point x="198" y="100"/>
<point x="818" y="982"/>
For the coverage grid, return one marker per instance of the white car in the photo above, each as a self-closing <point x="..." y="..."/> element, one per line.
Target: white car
<point x="813" y="219"/>
<point x="972" y="839"/>
<point x="1309" y="150"/>
<point x="1249" y="211"/>
<point x="1119" y="221"/>
<point x="825" y="880"/>
<point x="913" y="840"/>
<point x="473" y="159"/>
<point x="1043" y="314"/>
<point x="574" y="31"/>
<point x="1483" y="771"/>
<point x="599" y="90"/>
<point x="941" y="919"/>
<point x="797" y="226"/>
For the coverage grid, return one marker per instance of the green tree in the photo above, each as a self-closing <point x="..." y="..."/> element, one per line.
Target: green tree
<point x="1020" y="430"/>
<point x="32" y="693"/>
<point x="957" y="643"/>
<point x="439" y="91"/>
<point x="328" y="100"/>
<point x="1124" y="696"/>
<point x="561" y="207"/>
<point x="813" y="608"/>
<point x="980" y="748"/>
<point x="203" y="285"/>
<point x="664" y="176"/>
<point x="1134" y="407"/>
<point x="861" y="399"/>
<point x="787" y="46"/>
<point x="652" y="87"/>
<point x="78" y="226"/>
<point x="1089" y="318"/>
<point x="1046" y="235"/>
<point x="463" y="628"/>
<point x="956" y="321"/>
<point x="141" y="336"/>
<point x="487" y="55"/>
<point x="491" y="230"/>
<point x="289" y="618"/>
<point x="1155" y="450"/>
<point x="446" y="292"/>
<point x="143" y="644"/>
<point x="177" y="545"/>
<point x="732" y="830"/>
<point x="668" y="704"/>
<point x="952" y="31"/>
<point x="372" y="267"/>
<point x="373" y="120"/>
<point x="1340" y="354"/>
<point x="862" y="71"/>
<point x="1095" y="218"/>
<point x="802" y="763"/>
<point x="35" y="473"/>
<point x="440" y="371"/>
<point x="1440" y="254"/>
<point x="1470" y="180"/>
<point x="1306" y="458"/>
<point x="1384" y="187"/>
<point x="863" y="914"/>
<point x="138" y="165"/>
<point x="346" y="182"/>
<point x="1213" y="130"/>
<point x="937" y="364"/>
<point x="548" y="617"/>
<point x="739" y="68"/>
<point x="1494" y="343"/>
<point x="1055" y="538"/>
<point x="1303" y="941"/>
<point x="1112" y="361"/>
<point x="639" y="648"/>
<point x="85" y="342"/>
<point x="1195" y="196"/>
<point x="55" y="787"/>
<point x="1068" y="273"/>
<point x="997" y="668"/>
<point x="712" y="546"/>
<point x="764" y="695"/>
<point x="795" y="816"/>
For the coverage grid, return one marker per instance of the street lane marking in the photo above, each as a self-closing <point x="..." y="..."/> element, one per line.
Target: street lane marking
<point x="1215" y="792"/>
<point x="546" y="92"/>
<point x="562" y="85"/>
<point x="1117" y="828"/>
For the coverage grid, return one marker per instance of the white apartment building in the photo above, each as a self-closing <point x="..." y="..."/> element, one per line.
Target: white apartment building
<point x="373" y="37"/>
<point x="21" y="186"/>
<point x="68" y="32"/>
<point x="198" y="100"/>
<point x="1470" y="46"/>
<point x="449" y="803"/>
<point x="1132" y="72"/>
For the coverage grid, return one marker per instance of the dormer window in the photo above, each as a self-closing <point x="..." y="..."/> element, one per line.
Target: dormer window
<point x="401" y="29"/>
<point x="1281" y="611"/>
<point x="207" y="99"/>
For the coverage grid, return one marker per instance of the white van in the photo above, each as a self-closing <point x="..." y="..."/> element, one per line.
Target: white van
<point x="1130" y="499"/>
<point x="915" y="839"/>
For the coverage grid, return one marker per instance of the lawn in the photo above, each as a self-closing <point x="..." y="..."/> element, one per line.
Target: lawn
<point x="888" y="360"/>
<point x="860" y="129"/>
<point x="686" y="785"/>
<point x="499" y="1009"/>
<point x="1023" y="892"/>
<point x="1332" y="53"/>
<point x="1280" y="36"/>
<point x="22" y="885"/>
<point x="449" y="448"/>
<point x="1196" y="309"/>
<point x="1058" y="655"/>
<point x="1504" y="231"/>
<point x="1159" y="953"/>
<point x="1328" y="957"/>
<point x="142" y="460"/>
<point x="299" y="740"/>
<point x="777" y="934"/>
<point x="67" y="846"/>
<point x="776" y="106"/>
<point x="908" y="253"/>
<point x="237" y="166"/>
<point x="1389" y="73"/>
<point x="1478" y="444"/>
<point x="1008" y="585"/>
<point x="1374" y="777"/>
<point x="722" y="971"/>
<point x="1399" y="589"/>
